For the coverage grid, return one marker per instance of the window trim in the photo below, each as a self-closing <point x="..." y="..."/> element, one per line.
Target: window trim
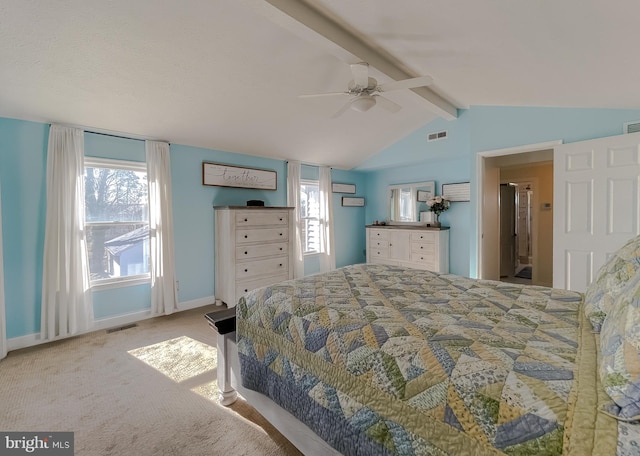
<point x="115" y="282"/>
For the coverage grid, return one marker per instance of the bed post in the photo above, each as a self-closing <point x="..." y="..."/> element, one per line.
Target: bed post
<point x="228" y="395"/>
<point x="224" y="324"/>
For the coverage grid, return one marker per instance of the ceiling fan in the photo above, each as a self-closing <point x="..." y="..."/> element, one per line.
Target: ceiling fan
<point x="365" y="92"/>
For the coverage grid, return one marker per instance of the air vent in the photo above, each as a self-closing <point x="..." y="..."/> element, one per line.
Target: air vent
<point x="632" y="127"/>
<point x="121" y="328"/>
<point x="437" y="136"/>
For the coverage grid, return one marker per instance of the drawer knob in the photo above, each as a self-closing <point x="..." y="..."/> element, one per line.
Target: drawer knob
<point x="280" y="264"/>
<point x="246" y="270"/>
<point x="280" y="248"/>
<point x="421" y="237"/>
<point x="421" y="247"/>
<point x="280" y="234"/>
<point x="246" y="236"/>
<point x="245" y="220"/>
<point x="245" y="290"/>
<point x="280" y="218"/>
<point x="246" y="253"/>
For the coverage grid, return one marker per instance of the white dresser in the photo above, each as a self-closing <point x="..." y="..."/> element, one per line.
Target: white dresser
<point x="253" y="248"/>
<point x="410" y="246"/>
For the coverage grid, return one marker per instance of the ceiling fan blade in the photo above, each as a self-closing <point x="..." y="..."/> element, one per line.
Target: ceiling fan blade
<point x="406" y="84"/>
<point x="341" y="111"/>
<point x="328" y="94"/>
<point x="360" y="73"/>
<point x="387" y="104"/>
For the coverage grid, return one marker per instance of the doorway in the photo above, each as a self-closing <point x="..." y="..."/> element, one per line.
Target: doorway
<point x="531" y="164"/>
<point x="516" y="235"/>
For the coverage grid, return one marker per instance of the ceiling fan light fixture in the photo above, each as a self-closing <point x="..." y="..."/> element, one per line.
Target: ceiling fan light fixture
<point x="363" y="103"/>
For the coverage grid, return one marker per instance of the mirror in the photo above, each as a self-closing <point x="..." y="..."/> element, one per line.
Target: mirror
<point x="406" y="201"/>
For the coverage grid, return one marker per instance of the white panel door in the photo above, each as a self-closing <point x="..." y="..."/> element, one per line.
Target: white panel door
<point x="400" y="245"/>
<point x="597" y="205"/>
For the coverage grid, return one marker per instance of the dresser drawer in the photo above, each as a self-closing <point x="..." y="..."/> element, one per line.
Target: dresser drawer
<point x="248" y="285"/>
<point x="261" y="250"/>
<point x="379" y="243"/>
<point x="245" y="236"/>
<point x="427" y="260"/>
<point x="423" y="236"/>
<point x="423" y="248"/>
<point x="378" y="234"/>
<point x="267" y="267"/>
<point x="378" y="253"/>
<point x="262" y="218"/>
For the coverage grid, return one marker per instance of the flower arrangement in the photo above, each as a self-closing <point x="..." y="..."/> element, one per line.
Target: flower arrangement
<point x="438" y="204"/>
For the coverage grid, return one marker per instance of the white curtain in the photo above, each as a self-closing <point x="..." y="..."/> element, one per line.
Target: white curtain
<point x="293" y="200"/>
<point x="66" y="297"/>
<point x="327" y="244"/>
<point x="396" y="195"/>
<point x="164" y="295"/>
<point x="3" y="317"/>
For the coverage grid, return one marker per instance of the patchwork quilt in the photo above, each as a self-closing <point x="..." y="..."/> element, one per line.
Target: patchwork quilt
<point x="384" y="360"/>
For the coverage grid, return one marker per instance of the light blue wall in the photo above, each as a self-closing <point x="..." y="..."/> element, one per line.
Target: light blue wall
<point x="415" y="149"/>
<point x="349" y="221"/>
<point x="193" y="211"/>
<point x="457" y="217"/>
<point x="23" y="147"/>
<point x="454" y="159"/>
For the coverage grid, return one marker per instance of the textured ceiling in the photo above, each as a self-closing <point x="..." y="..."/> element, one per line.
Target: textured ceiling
<point x="226" y="74"/>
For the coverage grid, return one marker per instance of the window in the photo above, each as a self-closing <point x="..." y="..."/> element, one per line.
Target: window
<point x="116" y="220"/>
<point x="310" y="216"/>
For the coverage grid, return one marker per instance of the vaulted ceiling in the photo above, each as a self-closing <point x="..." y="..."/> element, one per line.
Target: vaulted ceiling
<point x="227" y="74"/>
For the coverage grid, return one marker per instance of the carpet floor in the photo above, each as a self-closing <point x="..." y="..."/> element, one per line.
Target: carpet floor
<point x="146" y="390"/>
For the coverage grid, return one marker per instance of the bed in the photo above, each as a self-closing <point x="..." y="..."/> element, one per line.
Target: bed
<point x="378" y="360"/>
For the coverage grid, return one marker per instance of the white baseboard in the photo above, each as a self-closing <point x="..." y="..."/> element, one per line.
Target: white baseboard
<point x="120" y="320"/>
<point x="29" y="340"/>
<point x="194" y="303"/>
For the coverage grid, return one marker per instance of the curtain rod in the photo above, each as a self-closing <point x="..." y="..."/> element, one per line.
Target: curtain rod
<point x="309" y="164"/>
<point x="113" y="134"/>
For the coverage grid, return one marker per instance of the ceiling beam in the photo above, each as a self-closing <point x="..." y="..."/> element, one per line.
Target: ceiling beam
<point x="345" y="42"/>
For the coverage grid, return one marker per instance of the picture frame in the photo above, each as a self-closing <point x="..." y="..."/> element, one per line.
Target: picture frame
<point x="351" y="201"/>
<point x="221" y="175"/>
<point x="423" y="196"/>
<point x="460" y="191"/>
<point x="343" y="188"/>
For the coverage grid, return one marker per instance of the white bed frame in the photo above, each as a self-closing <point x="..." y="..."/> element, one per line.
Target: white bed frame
<point x="303" y="438"/>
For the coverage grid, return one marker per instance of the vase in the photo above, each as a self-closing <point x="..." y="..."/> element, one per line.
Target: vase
<point x="436" y="222"/>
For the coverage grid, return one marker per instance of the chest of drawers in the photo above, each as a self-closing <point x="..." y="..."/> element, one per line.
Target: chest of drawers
<point x="253" y="248"/>
<point x="411" y="247"/>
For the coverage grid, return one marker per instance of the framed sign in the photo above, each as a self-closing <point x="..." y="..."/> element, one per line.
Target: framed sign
<point x="423" y="196"/>
<point x="238" y="176"/>
<point x="352" y="201"/>
<point x="457" y="192"/>
<point x="343" y="188"/>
